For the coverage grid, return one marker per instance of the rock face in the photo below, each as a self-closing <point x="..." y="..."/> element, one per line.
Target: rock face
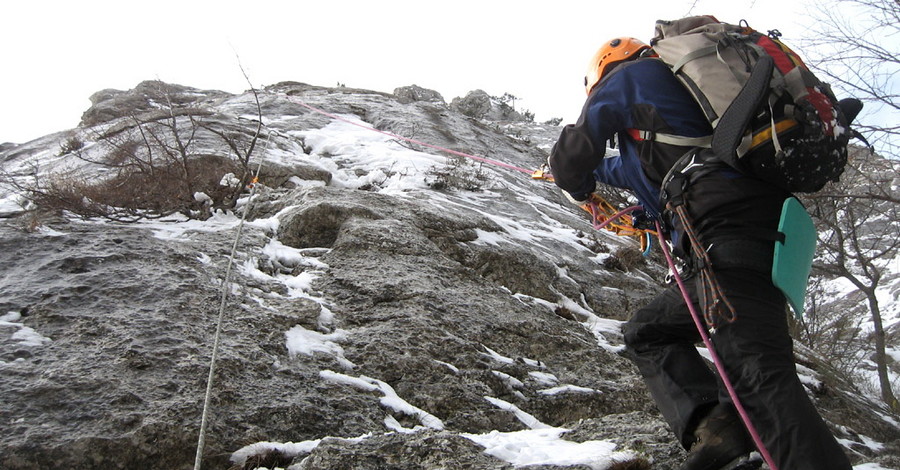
<point x="480" y="105"/>
<point x="371" y="322"/>
<point x="414" y="93"/>
<point x="476" y="104"/>
<point x="150" y="95"/>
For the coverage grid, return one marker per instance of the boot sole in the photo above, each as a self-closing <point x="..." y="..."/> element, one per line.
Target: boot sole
<point x="744" y="462"/>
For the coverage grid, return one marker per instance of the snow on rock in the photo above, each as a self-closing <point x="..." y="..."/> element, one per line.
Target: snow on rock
<point x="303" y="341"/>
<point x="475" y="329"/>
<point x="544" y="447"/>
<point x="390" y="399"/>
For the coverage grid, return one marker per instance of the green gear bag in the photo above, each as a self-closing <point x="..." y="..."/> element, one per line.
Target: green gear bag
<point x="793" y="256"/>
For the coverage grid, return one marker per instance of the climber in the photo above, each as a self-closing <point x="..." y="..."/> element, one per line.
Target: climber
<point x="629" y="91"/>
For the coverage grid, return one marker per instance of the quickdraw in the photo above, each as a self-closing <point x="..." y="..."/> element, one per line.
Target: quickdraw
<point x="605" y="216"/>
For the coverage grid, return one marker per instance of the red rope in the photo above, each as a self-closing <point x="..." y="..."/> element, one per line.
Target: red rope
<point x="407" y="139"/>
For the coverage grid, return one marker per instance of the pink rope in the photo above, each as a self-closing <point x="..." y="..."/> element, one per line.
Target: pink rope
<point x="712" y="352"/>
<point x="407" y="139"/>
<point x="595" y="209"/>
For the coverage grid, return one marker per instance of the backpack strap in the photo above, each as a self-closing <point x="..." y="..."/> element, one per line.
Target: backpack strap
<point x="704" y="51"/>
<point x="670" y="139"/>
<point x="730" y="129"/>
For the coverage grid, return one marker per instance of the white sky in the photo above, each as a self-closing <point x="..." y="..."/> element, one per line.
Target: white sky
<point x="55" y="54"/>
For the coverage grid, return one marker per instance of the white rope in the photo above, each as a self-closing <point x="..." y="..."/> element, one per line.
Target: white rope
<point x="226" y="283"/>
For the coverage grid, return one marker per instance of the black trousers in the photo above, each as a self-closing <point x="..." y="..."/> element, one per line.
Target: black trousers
<point x="757" y="353"/>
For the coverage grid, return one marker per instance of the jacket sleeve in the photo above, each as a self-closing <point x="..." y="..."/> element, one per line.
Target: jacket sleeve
<point x="581" y="147"/>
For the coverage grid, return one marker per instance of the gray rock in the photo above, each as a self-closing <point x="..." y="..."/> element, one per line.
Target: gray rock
<point x="436" y="298"/>
<point x="476" y="104"/>
<point x="415" y="93"/>
<point x="147" y="96"/>
<point x="275" y="175"/>
<point x="480" y="105"/>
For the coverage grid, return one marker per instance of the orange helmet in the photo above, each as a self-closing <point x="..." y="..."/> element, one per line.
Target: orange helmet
<point x="613" y="51"/>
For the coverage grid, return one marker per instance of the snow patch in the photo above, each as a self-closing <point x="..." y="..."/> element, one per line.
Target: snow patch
<point x="178" y="227"/>
<point x="308" y="342"/>
<point x="525" y="418"/>
<point x="602" y="328"/>
<point x="545" y="447"/>
<point x="390" y="399"/>
<point x="23" y="335"/>
<point x="358" y="157"/>
<point x="870" y="466"/>
<point x="544" y="378"/>
<point x="497" y="356"/>
<point x="448" y="365"/>
<point x="567" y="389"/>
<point x="289" y="256"/>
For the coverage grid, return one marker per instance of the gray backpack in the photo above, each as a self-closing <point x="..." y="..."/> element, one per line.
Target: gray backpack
<point x="772" y="117"/>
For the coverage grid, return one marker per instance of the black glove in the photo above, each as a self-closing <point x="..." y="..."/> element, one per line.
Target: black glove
<point x="640" y="219"/>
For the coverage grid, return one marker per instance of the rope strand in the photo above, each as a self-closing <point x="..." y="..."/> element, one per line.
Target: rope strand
<point x="226" y="282"/>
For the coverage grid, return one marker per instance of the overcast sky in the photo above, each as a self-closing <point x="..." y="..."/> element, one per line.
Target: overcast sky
<point x="55" y="54"/>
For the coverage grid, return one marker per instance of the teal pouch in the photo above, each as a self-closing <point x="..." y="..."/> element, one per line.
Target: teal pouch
<point x="794" y="256"/>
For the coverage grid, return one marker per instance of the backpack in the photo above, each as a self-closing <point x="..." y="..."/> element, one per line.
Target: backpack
<point x="772" y="118"/>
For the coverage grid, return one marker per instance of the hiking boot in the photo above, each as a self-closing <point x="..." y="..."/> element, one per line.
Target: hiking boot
<point x="721" y="443"/>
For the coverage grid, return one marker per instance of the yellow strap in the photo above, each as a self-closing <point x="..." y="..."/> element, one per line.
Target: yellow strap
<point x="765" y="135"/>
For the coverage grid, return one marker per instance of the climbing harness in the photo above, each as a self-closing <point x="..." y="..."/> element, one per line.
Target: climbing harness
<point x="687" y="169"/>
<point x="720" y="368"/>
<point x="603" y="214"/>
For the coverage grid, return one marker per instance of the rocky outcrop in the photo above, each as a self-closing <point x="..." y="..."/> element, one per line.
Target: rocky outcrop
<point x="480" y="105"/>
<point x="148" y="96"/>
<point x="476" y="104"/>
<point x="414" y="93"/>
<point x="370" y="322"/>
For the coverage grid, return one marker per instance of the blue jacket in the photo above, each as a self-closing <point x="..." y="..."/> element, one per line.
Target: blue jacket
<point x="642" y="94"/>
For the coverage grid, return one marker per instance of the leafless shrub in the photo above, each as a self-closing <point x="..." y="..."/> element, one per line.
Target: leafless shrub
<point x="71" y="145"/>
<point x="836" y="334"/>
<point x="624" y="259"/>
<point x="857" y="219"/>
<point x="459" y="173"/>
<point x="152" y="165"/>
<point x="132" y="195"/>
